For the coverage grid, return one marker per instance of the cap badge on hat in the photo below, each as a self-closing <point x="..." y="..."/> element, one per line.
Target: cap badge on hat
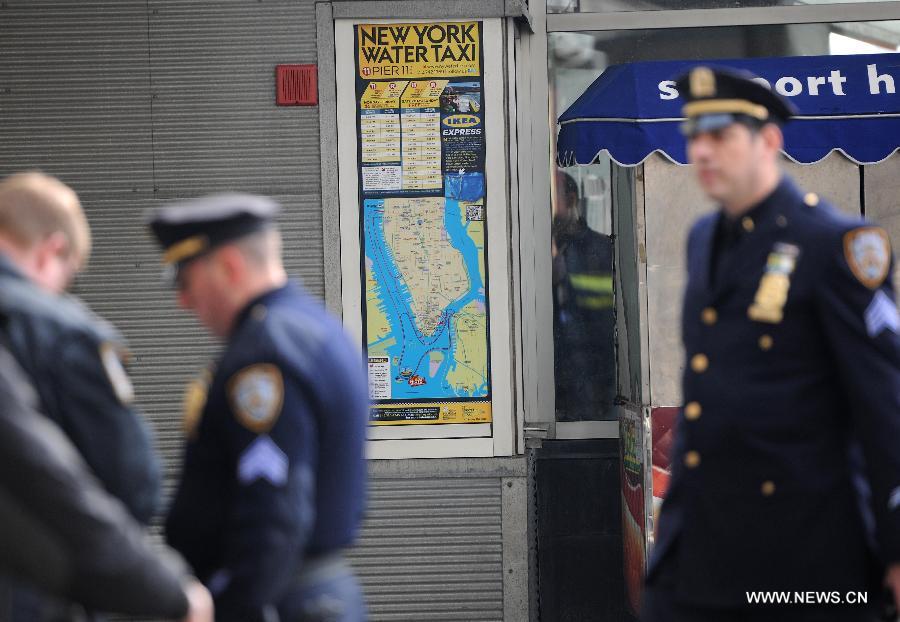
<point x="703" y="82"/>
<point x="185" y="249"/>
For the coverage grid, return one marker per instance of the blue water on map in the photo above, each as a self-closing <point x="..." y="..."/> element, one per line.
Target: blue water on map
<point x="412" y="349"/>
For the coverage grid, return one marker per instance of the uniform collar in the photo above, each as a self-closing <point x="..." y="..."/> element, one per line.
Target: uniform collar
<point x="257" y="306"/>
<point x="760" y="214"/>
<point x="9" y="268"/>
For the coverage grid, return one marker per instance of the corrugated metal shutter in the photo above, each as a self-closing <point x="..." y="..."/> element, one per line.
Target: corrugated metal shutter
<point x="74" y="93"/>
<point x="431" y="549"/>
<point x="215" y="123"/>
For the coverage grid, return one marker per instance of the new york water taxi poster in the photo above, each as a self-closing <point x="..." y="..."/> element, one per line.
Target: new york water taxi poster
<point x="421" y="166"/>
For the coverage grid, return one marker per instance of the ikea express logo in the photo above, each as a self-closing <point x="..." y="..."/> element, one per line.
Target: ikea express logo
<point x="461" y="120"/>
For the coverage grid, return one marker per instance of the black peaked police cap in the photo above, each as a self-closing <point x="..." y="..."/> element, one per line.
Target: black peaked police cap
<point x="715" y="97"/>
<point x="192" y="228"/>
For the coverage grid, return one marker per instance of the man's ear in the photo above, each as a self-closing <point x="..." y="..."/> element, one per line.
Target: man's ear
<point x="233" y="262"/>
<point x="772" y="137"/>
<point x="51" y="246"/>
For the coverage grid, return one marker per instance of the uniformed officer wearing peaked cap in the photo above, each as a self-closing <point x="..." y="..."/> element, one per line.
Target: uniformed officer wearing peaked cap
<point x="786" y="468"/>
<point x="274" y="477"/>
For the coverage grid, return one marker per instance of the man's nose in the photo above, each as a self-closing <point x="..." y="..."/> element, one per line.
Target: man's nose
<point x="700" y="145"/>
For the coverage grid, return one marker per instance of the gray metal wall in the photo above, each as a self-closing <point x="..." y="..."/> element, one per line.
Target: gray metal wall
<point x="444" y="538"/>
<point x="135" y="103"/>
<point x="438" y="537"/>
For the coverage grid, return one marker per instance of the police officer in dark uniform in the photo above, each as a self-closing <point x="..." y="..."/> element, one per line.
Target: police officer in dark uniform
<point x="64" y="533"/>
<point x="786" y="471"/>
<point x="73" y="358"/>
<point x="274" y="477"/>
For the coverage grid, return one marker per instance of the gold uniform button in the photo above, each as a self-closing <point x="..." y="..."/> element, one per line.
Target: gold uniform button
<point x="781" y="221"/>
<point x="748" y="224"/>
<point x="692" y="459"/>
<point x="768" y="488"/>
<point x="766" y="342"/>
<point x="811" y="199"/>
<point x="699" y="363"/>
<point x="692" y="411"/>
<point x="709" y="316"/>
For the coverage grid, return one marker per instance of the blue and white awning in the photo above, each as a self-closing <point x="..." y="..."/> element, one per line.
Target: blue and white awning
<point x="846" y="103"/>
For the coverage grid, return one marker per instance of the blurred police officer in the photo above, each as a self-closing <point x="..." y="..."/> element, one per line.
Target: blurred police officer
<point x="63" y="533"/>
<point x="793" y="364"/>
<point x="274" y="477"/>
<point x="583" y="311"/>
<point x="73" y="358"/>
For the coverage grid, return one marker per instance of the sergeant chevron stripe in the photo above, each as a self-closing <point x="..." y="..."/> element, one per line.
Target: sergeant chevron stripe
<point x="881" y="314"/>
<point x="263" y="460"/>
<point x="894" y="500"/>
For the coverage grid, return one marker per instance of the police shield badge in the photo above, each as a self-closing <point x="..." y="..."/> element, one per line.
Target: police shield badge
<point x="256" y="394"/>
<point x="702" y="82"/>
<point x="115" y="373"/>
<point x="768" y="304"/>
<point x="868" y="253"/>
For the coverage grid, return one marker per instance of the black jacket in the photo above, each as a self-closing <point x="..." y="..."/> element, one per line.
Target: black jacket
<point x="73" y="359"/>
<point x="61" y="531"/>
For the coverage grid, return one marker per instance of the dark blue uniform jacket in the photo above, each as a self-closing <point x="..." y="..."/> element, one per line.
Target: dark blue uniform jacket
<point x="61" y="531"/>
<point x="778" y="392"/>
<point x="275" y="470"/>
<point x="72" y="357"/>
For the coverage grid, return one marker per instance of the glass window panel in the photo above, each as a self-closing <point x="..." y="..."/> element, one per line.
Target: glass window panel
<point x="583" y="297"/>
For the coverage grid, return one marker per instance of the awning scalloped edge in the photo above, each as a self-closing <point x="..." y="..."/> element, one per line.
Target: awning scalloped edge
<point x="568" y="159"/>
